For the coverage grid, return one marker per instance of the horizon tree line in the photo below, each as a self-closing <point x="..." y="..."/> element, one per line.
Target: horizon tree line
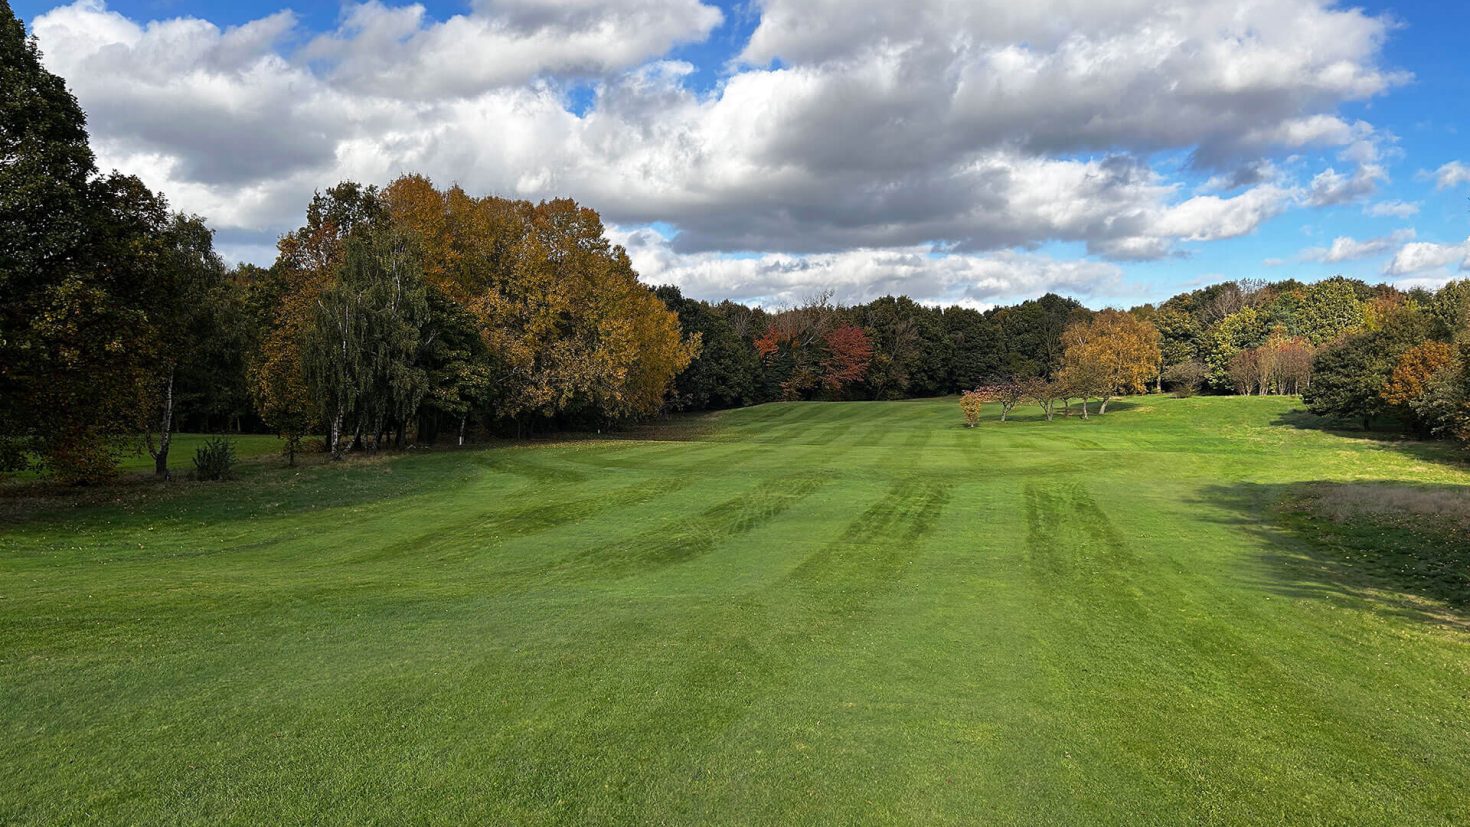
<point x="399" y="315"/>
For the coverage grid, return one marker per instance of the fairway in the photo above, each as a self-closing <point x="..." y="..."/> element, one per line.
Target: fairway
<point x="792" y="613"/>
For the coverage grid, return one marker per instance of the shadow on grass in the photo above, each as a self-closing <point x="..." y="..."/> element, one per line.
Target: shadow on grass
<point x="1386" y="432"/>
<point x="1400" y="547"/>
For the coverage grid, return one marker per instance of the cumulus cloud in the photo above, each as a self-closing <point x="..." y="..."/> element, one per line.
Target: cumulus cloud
<point x="1423" y="255"/>
<point x="1451" y="175"/>
<point x="1346" y="248"/>
<point x="843" y="128"/>
<point x="397" y="51"/>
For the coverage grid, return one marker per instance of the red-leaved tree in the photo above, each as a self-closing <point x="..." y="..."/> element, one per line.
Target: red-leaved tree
<point x="848" y="353"/>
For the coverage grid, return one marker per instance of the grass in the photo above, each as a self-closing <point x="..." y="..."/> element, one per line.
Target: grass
<point x="795" y="613"/>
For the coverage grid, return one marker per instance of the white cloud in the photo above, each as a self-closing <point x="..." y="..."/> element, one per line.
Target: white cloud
<point x="846" y="127"/>
<point x="1346" y="248"/>
<point x="1423" y="255"/>
<point x="1392" y="209"/>
<point x="1451" y="175"/>
<point x="863" y="274"/>
<point x="396" y="51"/>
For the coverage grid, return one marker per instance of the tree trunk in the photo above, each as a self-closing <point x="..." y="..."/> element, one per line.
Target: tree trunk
<point x="1084" y="407"/>
<point x="165" y="429"/>
<point x="462" y="419"/>
<point x="1102" y="409"/>
<point x="334" y="434"/>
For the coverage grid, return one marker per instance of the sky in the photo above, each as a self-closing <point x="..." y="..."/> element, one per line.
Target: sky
<point x="973" y="152"/>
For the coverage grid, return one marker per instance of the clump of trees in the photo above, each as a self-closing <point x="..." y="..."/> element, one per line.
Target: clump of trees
<point x="416" y="309"/>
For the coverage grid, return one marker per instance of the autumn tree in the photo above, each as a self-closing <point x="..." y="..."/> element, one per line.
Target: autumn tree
<point x="1416" y="373"/>
<point x="1044" y="392"/>
<point x="848" y="353"/>
<point x="1111" y="353"/>
<point x="1008" y="395"/>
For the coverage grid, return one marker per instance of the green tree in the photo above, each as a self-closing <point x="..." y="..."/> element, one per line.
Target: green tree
<point x="726" y="372"/>
<point x="459" y="368"/>
<point x="75" y="257"/>
<point x="1238" y="331"/>
<point x="1348" y="379"/>
<point x="360" y="355"/>
<point x="191" y="310"/>
<point x="1330" y="308"/>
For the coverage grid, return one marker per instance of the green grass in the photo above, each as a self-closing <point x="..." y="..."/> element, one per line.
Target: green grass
<point x="795" y="613"/>
<point x="134" y="458"/>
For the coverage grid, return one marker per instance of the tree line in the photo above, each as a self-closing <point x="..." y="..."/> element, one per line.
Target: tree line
<point x="413" y="314"/>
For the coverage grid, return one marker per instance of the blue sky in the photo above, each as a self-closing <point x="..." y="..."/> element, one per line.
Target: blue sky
<point x="777" y="147"/>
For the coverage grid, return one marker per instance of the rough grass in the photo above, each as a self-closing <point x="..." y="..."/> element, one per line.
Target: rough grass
<point x="1186" y="611"/>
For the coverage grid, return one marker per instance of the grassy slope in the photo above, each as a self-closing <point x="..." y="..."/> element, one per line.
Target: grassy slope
<point x="809" y="611"/>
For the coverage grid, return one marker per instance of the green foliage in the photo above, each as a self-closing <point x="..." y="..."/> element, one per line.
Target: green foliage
<point x="1236" y="332"/>
<point x="214" y="460"/>
<point x="976" y="345"/>
<point x="1330" y="308"/>
<point x="361" y="355"/>
<point x="78" y="336"/>
<point x="725" y="374"/>
<point x="1348" y="379"/>
<point x="1450" y="309"/>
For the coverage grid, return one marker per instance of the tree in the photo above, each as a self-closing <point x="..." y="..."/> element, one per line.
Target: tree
<point x="1329" y="309"/>
<point x="1180" y="339"/>
<point x="846" y="360"/>
<point x="977" y="354"/>
<point x="1044" y="392"/>
<point x="1247" y="374"/>
<point x="725" y="374"/>
<point x="360" y="355"/>
<point x="911" y="353"/>
<point x="1008" y="395"/>
<point x="1110" y="353"/>
<point x="457" y="364"/>
<point x="1450" y="309"/>
<point x="77" y="253"/>
<point x="1415" y="375"/>
<point x="1031" y="334"/>
<point x="1349" y="379"/>
<point x="1238" y="331"/>
<point x="192" y="308"/>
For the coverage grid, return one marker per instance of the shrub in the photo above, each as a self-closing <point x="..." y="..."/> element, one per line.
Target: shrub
<point x="971" y="403"/>
<point x="214" y="460"/>
<point x="1186" y="377"/>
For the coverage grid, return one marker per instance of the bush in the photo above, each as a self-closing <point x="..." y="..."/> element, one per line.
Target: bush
<point x="214" y="460"/>
<point x="1186" y="378"/>
<point x="971" y="403"/>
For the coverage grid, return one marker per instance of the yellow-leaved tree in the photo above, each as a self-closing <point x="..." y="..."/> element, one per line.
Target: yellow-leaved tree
<point x="1110" y="353"/>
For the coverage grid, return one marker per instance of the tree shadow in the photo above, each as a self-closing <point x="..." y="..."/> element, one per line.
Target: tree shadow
<point x="1385" y="432"/>
<point x="1399" y="547"/>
